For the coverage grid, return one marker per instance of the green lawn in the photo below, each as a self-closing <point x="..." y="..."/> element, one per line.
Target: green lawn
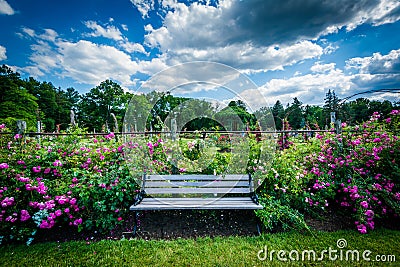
<point x="232" y="251"/>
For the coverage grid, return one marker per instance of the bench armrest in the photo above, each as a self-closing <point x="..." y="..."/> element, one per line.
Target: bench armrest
<point x="253" y="194"/>
<point x="139" y="196"/>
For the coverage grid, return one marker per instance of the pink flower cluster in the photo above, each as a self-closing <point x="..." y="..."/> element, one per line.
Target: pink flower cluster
<point x="360" y="156"/>
<point x="3" y="166"/>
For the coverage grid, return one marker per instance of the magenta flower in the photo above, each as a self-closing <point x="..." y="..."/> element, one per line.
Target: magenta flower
<point x="371" y="225"/>
<point x="57" y="163"/>
<point x="364" y="204"/>
<point x="45" y="225"/>
<point x="17" y="136"/>
<point x="369" y="213"/>
<point x="362" y="228"/>
<point x="36" y="169"/>
<point x="110" y="135"/>
<point x="3" y="166"/>
<point x="58" y="213"/>
<point x="72" y="201"/>
<point x="78" y="222"/>
<point x="25" y="215"/>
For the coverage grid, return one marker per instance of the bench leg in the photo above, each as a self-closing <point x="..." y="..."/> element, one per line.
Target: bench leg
<point x="136" y="223"/>
<point x="260" y="226"/>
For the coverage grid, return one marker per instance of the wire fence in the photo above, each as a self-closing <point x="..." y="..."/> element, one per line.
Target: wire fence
<point x="30" y="134"/>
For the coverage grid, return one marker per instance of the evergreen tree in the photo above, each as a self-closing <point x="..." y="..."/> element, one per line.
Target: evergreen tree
<point x="331" y="105"/>
<point x="279" y="113"/>
<point x="295" y="114"/>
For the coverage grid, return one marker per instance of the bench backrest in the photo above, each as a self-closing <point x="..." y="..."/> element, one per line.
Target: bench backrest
<point x="172" y="185"/>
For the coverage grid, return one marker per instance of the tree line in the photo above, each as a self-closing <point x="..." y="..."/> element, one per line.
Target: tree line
<point x="97" y="110"/>
<point x="299" y="116"/>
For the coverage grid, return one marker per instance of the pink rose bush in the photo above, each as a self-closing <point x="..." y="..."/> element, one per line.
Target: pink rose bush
<point x="356" y="173"/>
<point x="57" y="182"/>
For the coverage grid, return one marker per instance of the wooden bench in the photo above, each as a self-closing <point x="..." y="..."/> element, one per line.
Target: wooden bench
<point x="195" y="192"/>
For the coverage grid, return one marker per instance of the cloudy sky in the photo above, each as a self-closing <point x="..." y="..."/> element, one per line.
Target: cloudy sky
<point x="288" y="48"/>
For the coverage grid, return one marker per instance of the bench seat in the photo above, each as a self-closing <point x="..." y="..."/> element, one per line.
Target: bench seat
<point x="224" y="203"/>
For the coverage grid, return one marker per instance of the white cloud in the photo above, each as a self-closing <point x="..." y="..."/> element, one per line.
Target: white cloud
<point x="113" y="33"/>
<point x="5" y="8"/>
<point x="109" y="32"/>
<point x="3" y="51"/>
<point x="44" y="56"/>
<point x="213" y="41"/>
<point x="124" y="27"/>
<point x="90" y="63"/>
<point x="377" y="63"/>
<point x="49" y="35"/>
<point x="382" y="12"/>
<point x="29" y="32"/>
<point x="132" y="47"/>
<point x="322" y="68"/>
<point x="244" y="33"/>
<point x="3" y="55"/>
<point x="309" y="88"/>
<point x="144" y="6"/>
<point x="265" y="23"/>
<point x="83" y="61"/>
<point x="376" y="71"/>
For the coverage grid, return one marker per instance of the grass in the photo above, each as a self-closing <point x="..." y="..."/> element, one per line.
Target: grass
<point x="231" y="251"/>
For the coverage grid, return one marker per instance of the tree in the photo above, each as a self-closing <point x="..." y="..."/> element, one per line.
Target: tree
<point x="331" y="105"/>
<point x="314" y="117"/>
<point x="360" y="109"/>
<point x="137" y="114"/>
<point x="295" y="114"/>
<point x="16" y="103"/>
<point x="235" y="115"/>
<point x="96" y="106"/>
<point x="279" y="114"/>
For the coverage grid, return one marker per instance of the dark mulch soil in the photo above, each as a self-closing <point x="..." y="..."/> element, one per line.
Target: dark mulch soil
<point x="192" y="224"/>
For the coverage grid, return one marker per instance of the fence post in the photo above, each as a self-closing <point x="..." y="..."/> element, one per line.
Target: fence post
<point x="39" y="129"/>
<point x="338" y="126"/>
<point x="174" y="128"/>
<point x="333" y="117"/>
<point x="21" y="127"/>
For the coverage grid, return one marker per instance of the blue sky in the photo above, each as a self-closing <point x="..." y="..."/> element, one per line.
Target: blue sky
<point x="288" y="48"/>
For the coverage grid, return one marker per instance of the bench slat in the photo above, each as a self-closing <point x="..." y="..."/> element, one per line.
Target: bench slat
<point x="197" y="190"/>
<point x="183" y="200"/>
<point x="150" y="184"/>
<point x="190" y="177"/>
<point x="195" y="203"/>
